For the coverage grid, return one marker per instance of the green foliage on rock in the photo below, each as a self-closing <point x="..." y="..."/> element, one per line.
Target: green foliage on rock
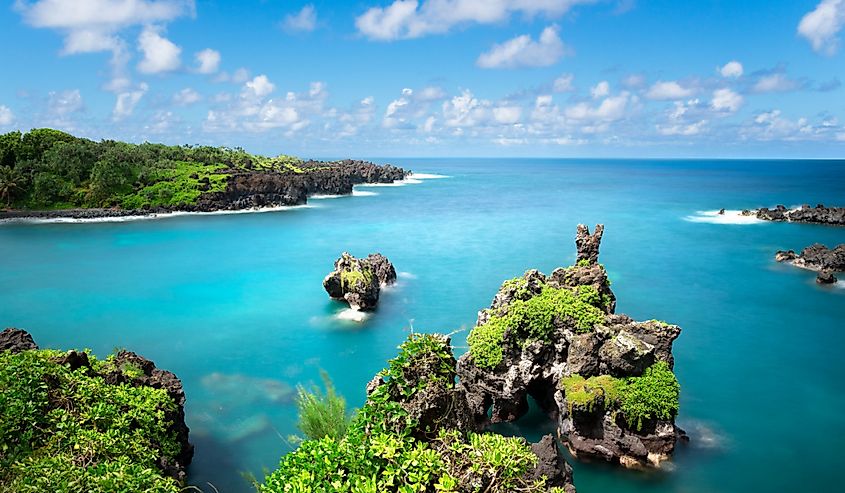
<point x="652" y="396"/>
<point x="51" y="169"/>
<point x="64" y="430"/>
<point x="533" y="319"/>
<point x="381" y="453"/>
<point x="349" y="278"/>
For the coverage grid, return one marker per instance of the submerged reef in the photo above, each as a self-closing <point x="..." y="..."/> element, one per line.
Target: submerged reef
<point x="71" y="422"/>
<point x="605" y="378"/>
<point x="818" y="258"/>
<point x="359" y="281"/>
<point x="417" y="433"/>
<point x="819" y="214"/>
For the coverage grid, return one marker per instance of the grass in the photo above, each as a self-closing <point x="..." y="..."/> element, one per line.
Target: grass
<point x="322" y="413"/>
<point x="350" y="278"/>
<point x="180" y="185"/>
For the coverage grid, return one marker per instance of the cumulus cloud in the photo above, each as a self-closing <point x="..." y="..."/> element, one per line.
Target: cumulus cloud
<point x="507" y="115"/>
<point x="821" y="26"/>
<point x="725" y="100"/>
<point x="65" y="102"/>
<point x="159" y="53"/>
<point x="186" y="97"/>
<point x="665" y="91"/>
<point x="731" y="69"/>
<point x="208" y="61"/>
<point x="564" y="83"/>
<point x="600" y="90"/>
<point x="685" y="118"/>
<point x="259" y="86"/>
<point x="412" y="19"/>
<point x="303" y="21"/>
<point x="91" y="26"/>
<point x="126" y="102"/>
<point x="522" y="51"/>
<point x="775" y="82"/>
<point x="6" y="115"/>
<point x="610" y="109"/>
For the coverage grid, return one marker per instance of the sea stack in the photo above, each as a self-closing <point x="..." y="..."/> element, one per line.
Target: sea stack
<point x="818" y="258"/>
<point x="359" y="281"/>
<point x="606" y="379"/>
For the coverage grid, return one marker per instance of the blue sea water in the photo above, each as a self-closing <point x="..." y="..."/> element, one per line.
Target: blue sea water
<point x="234" y="304"/>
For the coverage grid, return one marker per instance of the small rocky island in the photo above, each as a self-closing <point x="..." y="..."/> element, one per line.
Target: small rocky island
<point x="834" y="216"/>
<point x="606" y="379"/>
<point x="71" y="422"/>
<point x="818" y="258"/>
<point x="359" y="281"/>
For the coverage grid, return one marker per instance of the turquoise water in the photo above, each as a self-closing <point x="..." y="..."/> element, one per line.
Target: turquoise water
<point x="234" y="304"/>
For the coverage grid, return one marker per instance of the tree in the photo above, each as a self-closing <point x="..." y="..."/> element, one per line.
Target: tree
<point x="11" y="182"/>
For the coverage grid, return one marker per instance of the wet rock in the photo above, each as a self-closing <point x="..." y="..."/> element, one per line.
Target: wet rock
<point x="551" y="464"/>
<point x="826" y="277"/>
<point x="816" y="257"/>
<point x="785" y="256"/>
<point x="16" y="340"/>
<point x="359" y="281"/>
<point x="833" y="216"/>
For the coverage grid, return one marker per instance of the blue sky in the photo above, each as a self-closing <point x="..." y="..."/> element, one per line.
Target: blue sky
<point x="568" y="78"/>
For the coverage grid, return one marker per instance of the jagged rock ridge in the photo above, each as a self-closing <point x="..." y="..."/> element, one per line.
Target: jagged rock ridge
<point x="819" y="258"/>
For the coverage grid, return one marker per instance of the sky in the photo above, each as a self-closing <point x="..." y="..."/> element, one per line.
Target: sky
<point x="440" y="78"/>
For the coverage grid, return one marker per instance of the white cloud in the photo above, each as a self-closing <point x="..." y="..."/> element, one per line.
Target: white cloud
<point x="822" y="25"/>
<point x="600" y="90"/>
<point x="564" y="83"/>
<point x="125" y="104"/>
<point x="683" y="130"/>
<point x="208" y="61"/>
<point x="685" y="118"/>
<point x="91" y="26"/>
<point x="160" y="54"/>
<point x="634" y="81"/>
<point x="412" y="19"/>
<point x="507" y="115"/>
<point x="726" y="100"/>
<point x="6" y="115"/>
<point x="731" y="69"/>
<point x="65" y="102"/>
<point x="664" y="91"/>
<point x="776" y="82"/>
<point x="259" y="86"/>
<point x="522" y="51"/>
<point x="186" y="97"/>
<point x="303" y="21"/>
<point x="431" y="93"/>
<point x="610" y="109"/>
<point x="465" y="110"/>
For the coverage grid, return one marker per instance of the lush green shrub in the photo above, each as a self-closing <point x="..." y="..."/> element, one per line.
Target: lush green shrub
<point x="532" y="319"/>
<point x="584" y="393"/>
<point x="69" y="431"/>
<point x="322" y="413"/>
<point x="349" y="278"/>
<point x="380" y="453"/>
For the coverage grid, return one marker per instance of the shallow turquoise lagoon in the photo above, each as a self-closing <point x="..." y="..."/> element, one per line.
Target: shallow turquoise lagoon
<point x="234" y="304"/>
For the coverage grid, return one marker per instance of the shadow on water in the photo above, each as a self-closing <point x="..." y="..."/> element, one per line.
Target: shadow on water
<point x="222" y="471"/>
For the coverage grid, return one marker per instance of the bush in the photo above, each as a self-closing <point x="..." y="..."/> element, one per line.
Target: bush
<point x="64" y="430"/>
<point x="322" y="414"/>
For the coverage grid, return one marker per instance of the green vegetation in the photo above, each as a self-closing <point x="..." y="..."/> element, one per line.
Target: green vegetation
<point x="349" y="278"/>
<point x="49" y="169"/>
<point x="532" y="319"/>
<point x="583" y="263"/>
<point x="381" y="451"/>
<point x="654" y="395"/>
<point x="322" y="414"/>
<point x="64" y="430"/>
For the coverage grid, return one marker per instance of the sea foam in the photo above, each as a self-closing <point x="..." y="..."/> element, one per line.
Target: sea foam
<point x="352" y="315"/>
<point x="729" y="217"/>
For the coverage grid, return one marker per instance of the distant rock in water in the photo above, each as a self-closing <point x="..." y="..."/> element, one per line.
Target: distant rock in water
<point x="819" y="214"/>
<point x="819" y="258"/>
<point x="605" y="378"/>
<point x="359" y="281"/>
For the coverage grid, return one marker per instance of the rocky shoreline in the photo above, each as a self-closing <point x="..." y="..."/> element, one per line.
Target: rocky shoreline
<point x="833" y="216"/>
<point x="818" y="258"/>
<point x="246" y="190"/>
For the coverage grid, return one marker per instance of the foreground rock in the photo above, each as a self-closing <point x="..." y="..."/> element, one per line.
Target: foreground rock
<point x="250" y="189"/>
<point x="84" y="399"/>
<point x="359" y="281"/>
<point x="556" y="339"/>
<point x="819" y="214"/>
<point x="819" y="258"/>
<point x="416" y="432"/>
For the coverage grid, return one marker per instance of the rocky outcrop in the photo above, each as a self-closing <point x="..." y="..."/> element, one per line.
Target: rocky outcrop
<point x="126" y="368"/>
<point x="560" y="327"/>
<point x="359" y="281"/>
<point x="819" y="258"/>
<point x="250" y="189"/>
<point x="819" y="214"/>
<point x="16" y="340"/>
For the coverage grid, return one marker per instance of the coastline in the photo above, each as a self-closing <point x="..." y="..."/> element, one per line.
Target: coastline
<point x="88" y="216"/>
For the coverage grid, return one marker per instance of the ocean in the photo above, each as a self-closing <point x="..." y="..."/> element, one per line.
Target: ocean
<point x="233" y="303"/>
